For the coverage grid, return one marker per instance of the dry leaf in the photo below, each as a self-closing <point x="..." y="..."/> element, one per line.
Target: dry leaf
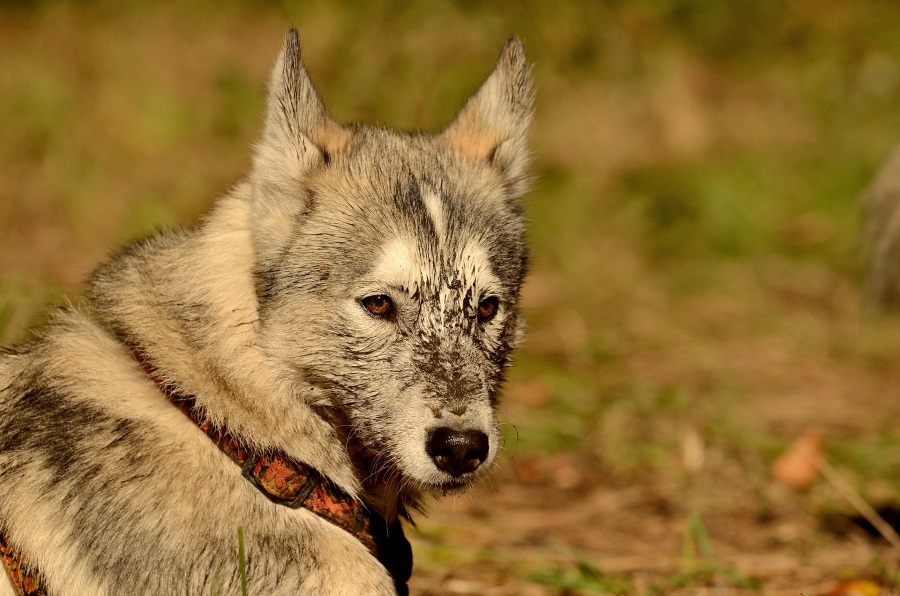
<point x="797" y="466"/>
<point x="858" y="587"/>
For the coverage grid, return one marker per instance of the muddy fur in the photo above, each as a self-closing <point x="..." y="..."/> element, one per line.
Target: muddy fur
<point x="263" y="312"/>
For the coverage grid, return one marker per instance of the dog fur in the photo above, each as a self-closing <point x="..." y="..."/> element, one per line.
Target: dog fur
<point x="260" y="313"/>
<point x="881" y="235"/>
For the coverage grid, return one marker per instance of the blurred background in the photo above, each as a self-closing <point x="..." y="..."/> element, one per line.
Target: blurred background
<point x="696" y="299"/>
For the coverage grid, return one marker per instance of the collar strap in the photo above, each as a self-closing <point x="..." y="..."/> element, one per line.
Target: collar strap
<point x="282" y="479"/>
<point x="286" y="481"/>
<point x="26" y="579"/>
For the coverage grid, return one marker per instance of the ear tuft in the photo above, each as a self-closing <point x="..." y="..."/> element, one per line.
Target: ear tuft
<point x="493" y="125"/>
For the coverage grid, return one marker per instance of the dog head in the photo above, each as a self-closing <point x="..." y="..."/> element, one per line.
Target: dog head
<point x="389" y="268"/>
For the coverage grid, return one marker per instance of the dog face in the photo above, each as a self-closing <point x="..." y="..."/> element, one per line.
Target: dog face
<point x="390" y="267"/>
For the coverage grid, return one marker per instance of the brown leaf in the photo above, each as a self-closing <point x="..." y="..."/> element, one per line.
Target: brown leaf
<point x="797" y="467"/>
<point x="857" y="587"/>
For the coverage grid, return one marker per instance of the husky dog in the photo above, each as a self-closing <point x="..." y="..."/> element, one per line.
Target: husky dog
<point x="323" y="350"/>
<point x="881" y="237"/>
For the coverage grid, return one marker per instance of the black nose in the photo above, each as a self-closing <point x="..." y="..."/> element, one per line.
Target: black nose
<point x="457" y="452"/>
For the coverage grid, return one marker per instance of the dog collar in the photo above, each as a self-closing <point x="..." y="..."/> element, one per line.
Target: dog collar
<point x="26" y="579"/>
<point x="286" y="481"/>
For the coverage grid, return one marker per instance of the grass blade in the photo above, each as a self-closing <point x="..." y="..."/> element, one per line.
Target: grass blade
<point x="242" y="561"/>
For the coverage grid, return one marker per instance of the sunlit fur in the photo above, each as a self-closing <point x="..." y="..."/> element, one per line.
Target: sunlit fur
<point x="882" y="234"/>
<point x="257" y="312"/>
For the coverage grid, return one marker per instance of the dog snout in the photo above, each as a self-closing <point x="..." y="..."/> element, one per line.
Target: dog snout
<point x="457" y="452"/>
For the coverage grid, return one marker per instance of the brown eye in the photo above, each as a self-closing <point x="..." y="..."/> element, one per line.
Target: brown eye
<point x="487" y="308"/>
<point x="379" y="305"/>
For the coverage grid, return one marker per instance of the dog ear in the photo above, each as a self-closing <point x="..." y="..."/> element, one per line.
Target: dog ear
<point x="493" y="125"/>
<point x="298" y="136"/>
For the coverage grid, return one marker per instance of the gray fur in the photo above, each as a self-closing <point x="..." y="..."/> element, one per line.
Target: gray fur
<point x="882" y="234"/>
<point x="257" y="312"/>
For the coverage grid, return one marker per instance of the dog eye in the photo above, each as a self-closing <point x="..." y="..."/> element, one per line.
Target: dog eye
<point x="379" y="305"/>
<point x="487" y="308"/>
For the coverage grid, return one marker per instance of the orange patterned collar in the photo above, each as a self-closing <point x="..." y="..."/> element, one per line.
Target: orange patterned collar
<point x="26" y="579"/>
<point x="282" y="480"/>
<point x="291" y="483"/>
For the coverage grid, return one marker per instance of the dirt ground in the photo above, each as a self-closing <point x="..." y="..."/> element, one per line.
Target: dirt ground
<point x="568" y="524"/>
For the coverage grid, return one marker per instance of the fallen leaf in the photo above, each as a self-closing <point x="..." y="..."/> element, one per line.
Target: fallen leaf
<point x="797" y="467"/>
<point x="858" y="587"/>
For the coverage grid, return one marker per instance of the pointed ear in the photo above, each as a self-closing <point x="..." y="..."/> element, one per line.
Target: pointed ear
<point x="298" y="133"/>
<point x="298" y="136"/>
<point x="493" y="125"/>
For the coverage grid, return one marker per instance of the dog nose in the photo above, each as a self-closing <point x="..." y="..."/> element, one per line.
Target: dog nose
<point x="457" y="452"/>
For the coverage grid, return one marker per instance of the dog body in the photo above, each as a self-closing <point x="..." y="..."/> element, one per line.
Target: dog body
<point x="881" y="234"/>
<point x="351" y="304"/>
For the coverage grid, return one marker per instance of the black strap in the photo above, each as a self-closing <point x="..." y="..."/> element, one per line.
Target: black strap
<point x="394" y="552"/>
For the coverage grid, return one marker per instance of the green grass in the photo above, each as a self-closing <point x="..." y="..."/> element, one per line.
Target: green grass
<point x="584" y="577"/>
<point x="699" y="563"/>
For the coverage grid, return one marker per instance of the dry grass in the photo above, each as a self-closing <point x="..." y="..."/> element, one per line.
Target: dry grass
<point x="695" y="299"/>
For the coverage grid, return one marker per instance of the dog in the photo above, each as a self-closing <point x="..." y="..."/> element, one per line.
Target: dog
<point x="881" y="235"/>
<point x="260" y="399"/>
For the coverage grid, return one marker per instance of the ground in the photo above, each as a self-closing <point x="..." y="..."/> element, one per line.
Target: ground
<point x="697" y="294"/>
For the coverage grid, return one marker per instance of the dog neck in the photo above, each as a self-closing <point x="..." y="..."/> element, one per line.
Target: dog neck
<point x="280" y="478"/>
<point x="214" y="355"/>
<point x="197" y="287"/>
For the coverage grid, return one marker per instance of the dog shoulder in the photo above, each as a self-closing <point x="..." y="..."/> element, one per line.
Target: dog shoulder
<point x="85" y="432"/>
